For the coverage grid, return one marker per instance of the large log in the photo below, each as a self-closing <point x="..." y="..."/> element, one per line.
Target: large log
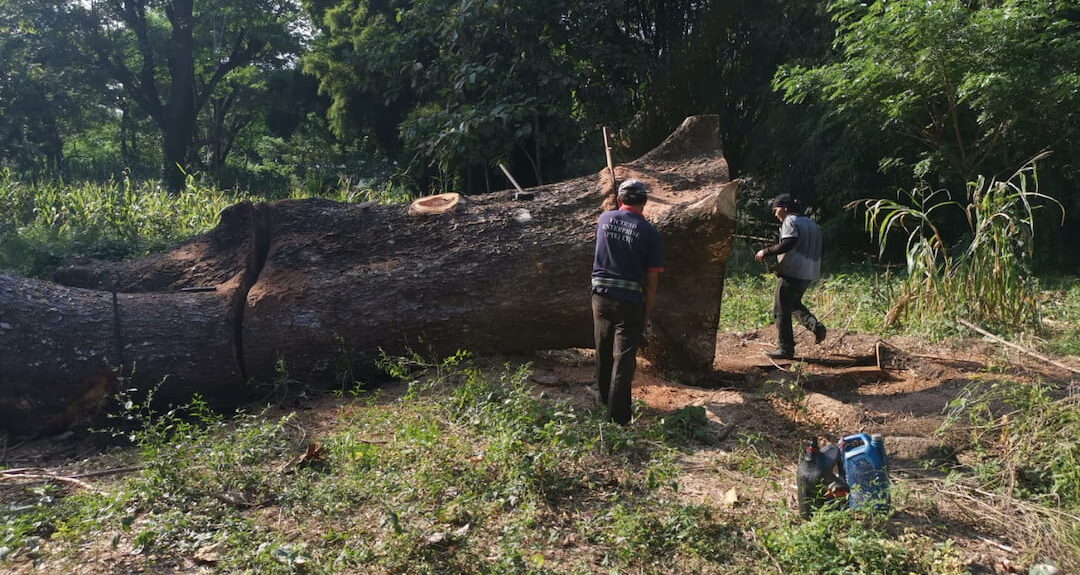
<point x="324" y="288"/>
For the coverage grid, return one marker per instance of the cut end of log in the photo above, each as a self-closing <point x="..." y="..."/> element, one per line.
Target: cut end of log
<point x="437" y="204"/>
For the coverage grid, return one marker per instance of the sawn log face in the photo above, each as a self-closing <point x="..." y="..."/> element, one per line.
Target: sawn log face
<point x="323" y="288"/>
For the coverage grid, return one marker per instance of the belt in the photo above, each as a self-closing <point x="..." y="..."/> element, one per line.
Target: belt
<point x="617" y="283"/>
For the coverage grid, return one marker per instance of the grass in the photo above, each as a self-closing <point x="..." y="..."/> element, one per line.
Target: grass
<point x="848" y="300"/>
<point x="859" y="298"/>
<point x="1060" y="307"/>
<point x="1024" y="446"/>
<point x="984" y="275"/>
<point x="44" y="223"/>
<point x="467" y="470"/>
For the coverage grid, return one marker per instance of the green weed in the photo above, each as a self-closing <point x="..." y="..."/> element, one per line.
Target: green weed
<point x="787" y="391"/>
<point x="748" y="458"/>
<point x="845" y="300"/>
<point x="470" y="471"/>
<point x="1025" y="455"/>
<point x="747" y="302"/>
<point x="687" y="424"/>
<point x="1027" y="437"/>
<point x="44" y="223"/>
<point x="25" y="525"/>
<point x="841" y="543"/>
<point x="1060" y="307"/>
<point x="860" y="299"/>
<point x="985" y="277"/>
<point x="661" y="538"/>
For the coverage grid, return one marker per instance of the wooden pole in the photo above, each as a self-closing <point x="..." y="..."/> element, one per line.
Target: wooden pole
<point x="607" y="153"/>
<point x="520" y="194"/>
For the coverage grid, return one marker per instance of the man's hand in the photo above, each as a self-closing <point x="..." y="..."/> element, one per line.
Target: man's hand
<point x="760" y="255"/>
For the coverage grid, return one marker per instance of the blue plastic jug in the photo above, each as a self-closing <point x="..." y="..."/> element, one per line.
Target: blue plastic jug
<point x="866" y="471"/>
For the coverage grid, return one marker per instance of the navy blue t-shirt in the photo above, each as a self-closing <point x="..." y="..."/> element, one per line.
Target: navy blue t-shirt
<point x="627" y="246"/>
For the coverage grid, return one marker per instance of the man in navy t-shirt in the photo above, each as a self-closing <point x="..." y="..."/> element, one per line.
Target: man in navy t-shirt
<point x="626" y="272"/>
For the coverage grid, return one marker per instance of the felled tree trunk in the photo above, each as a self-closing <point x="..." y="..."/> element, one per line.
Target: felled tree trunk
<point x="321" y="289"/>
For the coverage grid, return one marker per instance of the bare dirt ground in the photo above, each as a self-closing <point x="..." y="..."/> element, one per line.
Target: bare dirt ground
<point x="752" y="403"/>
<point x="835" y="389"/>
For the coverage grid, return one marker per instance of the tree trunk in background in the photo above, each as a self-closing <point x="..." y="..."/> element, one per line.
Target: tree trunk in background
<point x="178" y="126"/>
<point x="322" y="287"/>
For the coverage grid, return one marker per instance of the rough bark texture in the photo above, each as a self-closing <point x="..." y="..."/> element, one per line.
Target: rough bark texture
<point x="322" y="287"/>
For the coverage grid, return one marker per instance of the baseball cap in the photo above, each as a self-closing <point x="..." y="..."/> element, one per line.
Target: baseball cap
<point x="785" y="201"/>
<point x="633" y="191"/>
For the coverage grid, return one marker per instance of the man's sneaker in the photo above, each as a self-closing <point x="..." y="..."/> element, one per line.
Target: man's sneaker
<point x="819" y="333"/>
<point x="780" y="353"/>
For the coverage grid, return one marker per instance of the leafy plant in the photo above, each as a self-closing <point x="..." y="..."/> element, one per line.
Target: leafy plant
<point x="1025" y="457"/>
<point x="841" y="543"/>
<point x="787" y="390"/>
<point x="986" y="277"/>
<point x="688" y="423"/>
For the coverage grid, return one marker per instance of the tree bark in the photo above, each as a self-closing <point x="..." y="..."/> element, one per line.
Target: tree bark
<point x="324" y="288"/>
<point x="178" y="127"/>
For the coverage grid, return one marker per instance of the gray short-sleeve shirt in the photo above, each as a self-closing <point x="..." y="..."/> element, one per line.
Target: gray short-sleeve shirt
<point x="804" y="260"/>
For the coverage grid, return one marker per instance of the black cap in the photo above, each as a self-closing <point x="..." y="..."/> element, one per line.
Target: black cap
<point x="633" y="192"/>
<point x="785" y="201"/>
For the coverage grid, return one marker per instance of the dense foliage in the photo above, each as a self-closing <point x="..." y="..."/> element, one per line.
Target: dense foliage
<point x="835" y="101"/>
<point x="954" y="90"/>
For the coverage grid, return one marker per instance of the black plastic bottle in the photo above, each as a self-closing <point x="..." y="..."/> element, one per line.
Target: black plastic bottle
<point x="816" y="481"/>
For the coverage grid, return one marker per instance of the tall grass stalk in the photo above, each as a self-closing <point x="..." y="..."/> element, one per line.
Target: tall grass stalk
<point x="986" y="276"/>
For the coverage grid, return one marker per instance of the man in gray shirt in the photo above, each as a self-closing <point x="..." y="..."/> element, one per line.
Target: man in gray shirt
<point x="798" y="264"/>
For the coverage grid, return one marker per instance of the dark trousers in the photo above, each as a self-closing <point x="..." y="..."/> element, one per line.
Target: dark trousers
<point x="787" y="301"/>
<point x="617" y="327"/>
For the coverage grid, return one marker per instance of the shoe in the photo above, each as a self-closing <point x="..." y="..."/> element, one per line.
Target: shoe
<point x="780" y="353"/>
<point x="819" y="333"/>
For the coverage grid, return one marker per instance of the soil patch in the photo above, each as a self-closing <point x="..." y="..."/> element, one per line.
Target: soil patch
<point x="752" y="404"/>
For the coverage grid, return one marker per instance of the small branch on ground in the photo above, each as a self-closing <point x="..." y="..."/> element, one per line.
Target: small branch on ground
<point x="51" y="477"/>
<point x="1002" y="341"/>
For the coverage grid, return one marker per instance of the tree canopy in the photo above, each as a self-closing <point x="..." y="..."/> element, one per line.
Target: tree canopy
<point x="836" y="101"/>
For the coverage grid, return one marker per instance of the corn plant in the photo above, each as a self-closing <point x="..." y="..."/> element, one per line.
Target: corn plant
<point x="986" y="277"/>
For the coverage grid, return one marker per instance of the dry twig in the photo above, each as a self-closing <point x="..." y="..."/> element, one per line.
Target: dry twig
<point x="1021" y="349"/>
<point x="753" y="535"/>
<point x="51" y="477"/>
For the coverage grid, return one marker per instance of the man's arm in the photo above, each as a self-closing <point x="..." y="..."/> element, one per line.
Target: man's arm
<point x="652" y="280"/>
<point x="785" y="246"/>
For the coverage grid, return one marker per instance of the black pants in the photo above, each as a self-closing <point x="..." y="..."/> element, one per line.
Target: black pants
<point x="617" y="327"/>
<point x="787" y="301"/>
